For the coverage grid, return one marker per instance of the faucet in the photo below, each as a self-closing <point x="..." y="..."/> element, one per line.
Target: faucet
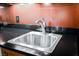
<point x="44" y="40"/>
<point x="42" y="23"/>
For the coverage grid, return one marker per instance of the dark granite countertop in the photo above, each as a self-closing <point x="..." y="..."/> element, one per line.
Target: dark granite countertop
<point x="67" y="46"/>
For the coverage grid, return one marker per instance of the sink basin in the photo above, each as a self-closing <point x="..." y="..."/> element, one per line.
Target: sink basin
<point x="38" y="41"/>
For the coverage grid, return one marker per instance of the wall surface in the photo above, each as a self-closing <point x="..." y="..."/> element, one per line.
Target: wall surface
<point x="62" y="15"/>
<point x="76" y="21"/>
<point x="2" y="15"/>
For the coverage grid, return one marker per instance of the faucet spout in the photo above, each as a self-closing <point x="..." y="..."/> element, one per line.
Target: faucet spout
<point x="42" y="24"/>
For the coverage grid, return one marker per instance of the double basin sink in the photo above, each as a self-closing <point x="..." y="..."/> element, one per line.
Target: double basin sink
<point x="38" y="41"/>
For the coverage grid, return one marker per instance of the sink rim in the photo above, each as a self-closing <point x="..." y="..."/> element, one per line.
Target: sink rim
<point x="47" y="49"/>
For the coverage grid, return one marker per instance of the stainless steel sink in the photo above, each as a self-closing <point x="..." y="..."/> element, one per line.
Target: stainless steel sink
<point x="38" y="41"/>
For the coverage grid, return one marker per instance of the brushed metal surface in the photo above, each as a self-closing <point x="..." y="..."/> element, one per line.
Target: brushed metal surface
<point x="38" y="41"/>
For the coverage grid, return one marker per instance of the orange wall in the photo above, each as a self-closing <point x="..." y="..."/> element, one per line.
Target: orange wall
<point x="2" y="15"/>
<point x="28" y="13"/>
<point x="76" y="16"/>
<point x="63" y="15"/>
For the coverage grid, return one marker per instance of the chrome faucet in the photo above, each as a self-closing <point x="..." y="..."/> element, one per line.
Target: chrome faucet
<point x="42" y="23"/>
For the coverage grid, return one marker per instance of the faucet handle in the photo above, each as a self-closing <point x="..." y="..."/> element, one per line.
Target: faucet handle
<point x="36" y="21"/>
<point x="42" y="21"/>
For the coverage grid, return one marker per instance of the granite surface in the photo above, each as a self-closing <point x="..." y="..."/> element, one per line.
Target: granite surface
<point x="67" y="46"/>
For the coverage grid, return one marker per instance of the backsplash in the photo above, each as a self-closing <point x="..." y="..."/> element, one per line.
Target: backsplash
<point x="55" y="15"/>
